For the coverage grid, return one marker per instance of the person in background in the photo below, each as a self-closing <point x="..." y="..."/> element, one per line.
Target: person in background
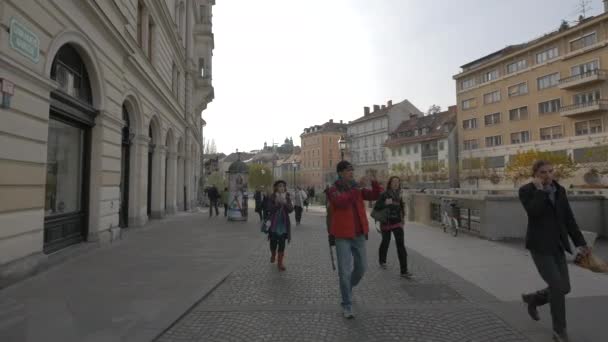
<point x="391" y="201"/>
<point x="279" y="207"/>
<point x="214" y="197"/>
<point x="348" y="228"/>
<point x="257" y="196"/>
<point x="225" y="200"/>
<point x="299" y="200"/>
<point x="550" y="222"/>
<point x="311" y="194"/>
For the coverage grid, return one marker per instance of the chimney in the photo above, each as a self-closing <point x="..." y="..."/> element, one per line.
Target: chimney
<point x="331" y="120"/>
<point x="365" y="111"/>
<point x="390" y="102"/>
<point x="383" y="107"/>
<point x="340" y="122"/>
<point x="376" y="108"/>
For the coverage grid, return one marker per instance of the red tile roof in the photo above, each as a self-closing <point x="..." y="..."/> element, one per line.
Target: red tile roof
<point x="435" y="124"/>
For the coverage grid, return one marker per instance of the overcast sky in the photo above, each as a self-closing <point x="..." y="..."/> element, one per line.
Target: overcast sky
<point x="280" y="66"/>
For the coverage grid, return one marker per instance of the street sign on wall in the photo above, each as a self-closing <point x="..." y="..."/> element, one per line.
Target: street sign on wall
<point x="24" y="41"/>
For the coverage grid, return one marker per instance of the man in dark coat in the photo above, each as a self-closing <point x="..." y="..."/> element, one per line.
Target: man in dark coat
<point x="550" y="222"/>
<point x="214" y="197"/>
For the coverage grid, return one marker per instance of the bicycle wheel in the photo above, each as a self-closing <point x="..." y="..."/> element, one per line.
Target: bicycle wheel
<point x="454" y="226"/>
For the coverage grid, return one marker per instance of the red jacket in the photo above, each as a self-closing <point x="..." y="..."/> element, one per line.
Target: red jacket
<point x="342" y="201"/>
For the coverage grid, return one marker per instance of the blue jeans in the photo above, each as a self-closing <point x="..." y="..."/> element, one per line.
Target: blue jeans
<point x="352" y="262"/>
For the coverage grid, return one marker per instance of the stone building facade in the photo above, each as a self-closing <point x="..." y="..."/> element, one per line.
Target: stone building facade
<point x="103" y="128"/>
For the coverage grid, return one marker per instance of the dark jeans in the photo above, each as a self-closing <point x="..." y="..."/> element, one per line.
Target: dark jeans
<point x="225" y="210"/>
<point x="276" y="241"/>
<point x="554" y="271"/>
<point x="298" y="211"/>
<point x="401" y="252"/>
<point x="261" y="215"/>
<point x="213" y="204"/>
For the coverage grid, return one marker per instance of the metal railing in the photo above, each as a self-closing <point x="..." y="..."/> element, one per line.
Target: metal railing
<point x="594" y="72"/>
<point x="601" y="102"/>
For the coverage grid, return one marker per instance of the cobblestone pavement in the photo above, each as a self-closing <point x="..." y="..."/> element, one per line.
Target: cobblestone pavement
<point x="257" y="303"/>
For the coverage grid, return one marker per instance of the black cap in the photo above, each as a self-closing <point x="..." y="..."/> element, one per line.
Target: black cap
<point x="343" y="165"/>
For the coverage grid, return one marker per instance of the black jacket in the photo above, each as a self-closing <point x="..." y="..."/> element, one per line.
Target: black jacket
<point x="549" y="224"/>
<point x="396" y="211"/>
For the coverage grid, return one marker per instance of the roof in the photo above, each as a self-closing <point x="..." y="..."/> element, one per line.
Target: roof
<point x="329" y="126"/>
<point x="385" y="110"/>
<point x="434" y="122"/>
<point x="232" y="157"/>
<point x="238" y="167"/>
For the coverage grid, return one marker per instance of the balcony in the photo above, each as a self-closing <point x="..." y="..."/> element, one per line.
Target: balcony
<point x="584" y="108"/>
<point x="589" y="77"/>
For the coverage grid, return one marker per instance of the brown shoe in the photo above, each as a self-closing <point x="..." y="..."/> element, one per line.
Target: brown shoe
<point x="280" y="262"/>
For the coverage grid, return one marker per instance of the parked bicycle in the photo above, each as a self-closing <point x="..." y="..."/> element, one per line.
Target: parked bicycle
<point x="449" y="216"/>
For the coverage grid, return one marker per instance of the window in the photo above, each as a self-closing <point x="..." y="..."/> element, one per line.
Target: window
<point x="494" y="141"/>
<point x="407" y="150"/>
<point x="494" y="162"/>
<point x="520" y="137"/>
<point x="548" y="133"/>
<point x="151" y="34"/>
<point x="548" y="81"/>
<point x="518" y="89"/>
<point x="491" y="119"/>
<point x="201" y="67"/>
<point x="415" y="149"/>
<point x="492" y="97"/>
<point x="469" y="124"/>
<point x="440" y="146"/>
<point x="583" y="41"/>
<point x="173" y="78"/>
<point x="549" y="106"/>
<point x="140" y="23"/>
<point x="517" y="66"/>
<point x="401" y="151"/>
<point x="470" y="103"/>
<point x="517" y="114"/>
<point x="470" y="145"/>
<point x="546" y="55"/>
<point x="583" y="69"/>
<point x="468" y="83"/>
<point x="588" y="127"/>
<point x="587" y="98"/>
<point x="489" y="76"/>
<point x="416" y="165"/>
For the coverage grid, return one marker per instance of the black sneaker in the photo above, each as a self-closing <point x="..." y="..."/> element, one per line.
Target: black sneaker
<point x="383" y="265"/>
<point x="532" y="309"/>
<point x="406" y="275"/>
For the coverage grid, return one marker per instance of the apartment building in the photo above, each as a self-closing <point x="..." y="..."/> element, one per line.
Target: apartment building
<point x="547" y="94"/>
<point x="100" y="124"/>
<point x="423" y="150"/>
<point x="367" y="135"/>
<point x="320" y="154"/>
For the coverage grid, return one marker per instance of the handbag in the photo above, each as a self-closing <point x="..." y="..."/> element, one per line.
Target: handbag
<point x="380" y="215"/>
<point x="265" y="227"/>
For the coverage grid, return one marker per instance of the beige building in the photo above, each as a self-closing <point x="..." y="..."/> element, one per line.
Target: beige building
<point x="320" y="154"/>
<point x="547" y="94"/>
<point x="103" y="128"/>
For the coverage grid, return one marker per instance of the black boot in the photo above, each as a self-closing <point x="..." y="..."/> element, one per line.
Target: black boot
<point x="530" y="300"/>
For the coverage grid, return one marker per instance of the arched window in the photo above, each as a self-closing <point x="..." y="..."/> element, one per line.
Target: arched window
<point x="69" y="71"/>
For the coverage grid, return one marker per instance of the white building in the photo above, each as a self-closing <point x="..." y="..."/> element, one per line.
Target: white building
<point x="366" y="136"/>
<point x="103" y="130"/>
<point x="423" y="150"/>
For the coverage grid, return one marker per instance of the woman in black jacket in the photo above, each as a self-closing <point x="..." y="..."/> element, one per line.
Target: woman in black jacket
<point x="550" y="222"/>
<point x="392" y="202"/>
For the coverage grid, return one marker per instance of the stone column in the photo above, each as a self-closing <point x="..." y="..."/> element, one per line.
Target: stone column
<point x="137" y="211"/>
<point x="179" y="191"/>
<point x="158" y="182"/>
<point x="171" y="189"/>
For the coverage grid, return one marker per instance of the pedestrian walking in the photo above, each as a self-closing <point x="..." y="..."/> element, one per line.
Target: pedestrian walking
<point x="225" y="200"/>
<point x="214" y="197"/>
<point x="258" y="197"/>
<point x="393" y="204"/>
<point x="348" y="228"/>
<point x="550" y="222"/>
<point x="279" y="206"/>
<point x="298" y="203"/>
<point x="311" y="194"/>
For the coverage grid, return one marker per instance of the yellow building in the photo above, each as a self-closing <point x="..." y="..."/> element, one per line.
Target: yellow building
<point x="546" y="94"/>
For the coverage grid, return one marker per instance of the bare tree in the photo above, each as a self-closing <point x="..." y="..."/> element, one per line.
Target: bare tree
<point x="433" y="109"/>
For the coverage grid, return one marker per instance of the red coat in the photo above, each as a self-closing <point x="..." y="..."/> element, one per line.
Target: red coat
<point x="343" y="202"/>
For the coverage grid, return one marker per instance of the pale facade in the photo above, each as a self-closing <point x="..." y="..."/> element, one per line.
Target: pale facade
<point x="423" y="151"/>
<point x="320" y="154"/>
<point x="548" y="94"/>
<point x="103" y="131"/>
<point x="366" y="136"/>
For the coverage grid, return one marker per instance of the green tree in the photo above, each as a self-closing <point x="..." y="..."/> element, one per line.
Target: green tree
<point x="259" y="175"/>
<point x="218" y="179"/>
<point x="519" y="167"/>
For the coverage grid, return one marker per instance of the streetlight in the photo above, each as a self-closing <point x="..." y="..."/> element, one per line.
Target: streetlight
<point x="342" y="144"/>
<point x="294" y="164"/>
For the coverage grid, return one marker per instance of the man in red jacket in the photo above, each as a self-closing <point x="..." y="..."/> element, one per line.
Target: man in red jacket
<point x="348" y="228"/>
